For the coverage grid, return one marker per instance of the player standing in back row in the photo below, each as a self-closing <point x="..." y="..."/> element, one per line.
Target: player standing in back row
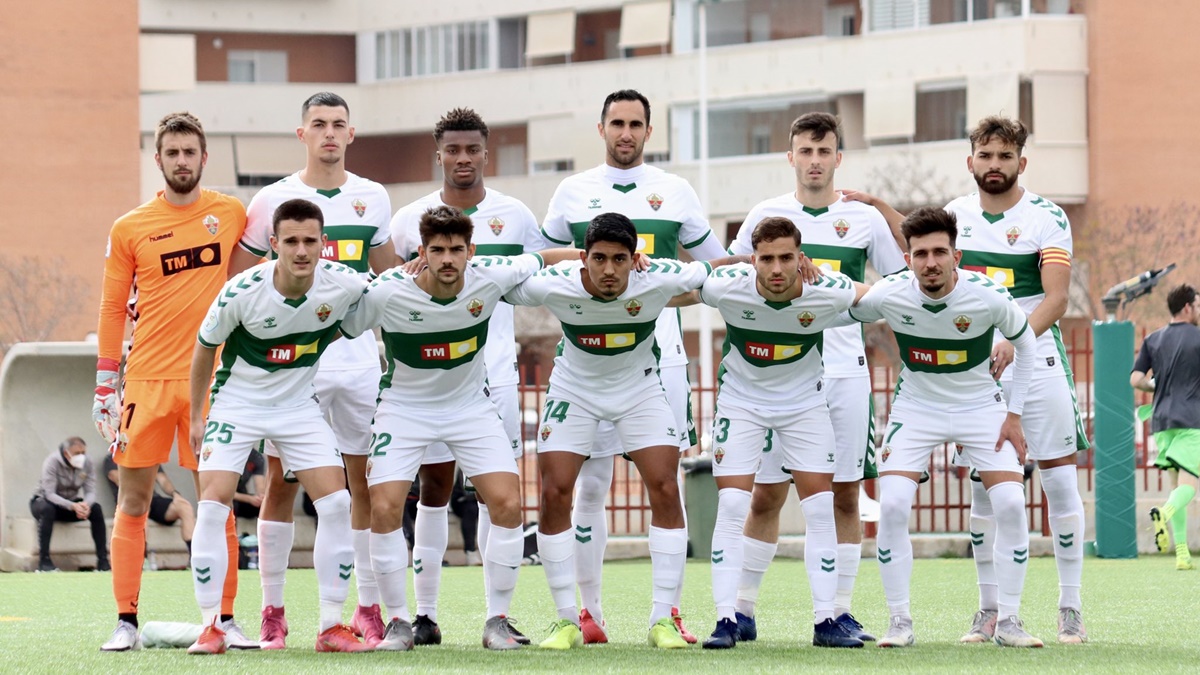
<point x="356" y="213"/>
<point x="667" y="213"/>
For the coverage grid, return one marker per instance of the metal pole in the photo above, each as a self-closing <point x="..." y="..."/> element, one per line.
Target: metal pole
<point x="706" y="324"/>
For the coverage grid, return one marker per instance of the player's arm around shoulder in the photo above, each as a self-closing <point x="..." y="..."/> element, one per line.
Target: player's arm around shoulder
<point x="368" y="311"/>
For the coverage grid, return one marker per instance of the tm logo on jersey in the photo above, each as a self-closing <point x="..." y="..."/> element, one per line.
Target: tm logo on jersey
<point x="449" y="351"/>
<point x="175" y="262"/>
<point x="645" y="244"/>
<point x="606" y="340"/>
<point x="345" y="249"/>
<point x="1001" y="275"/>
<point x="937" y="357"/>
<point x="289" y="353"/>
<point x="761" y="351"/>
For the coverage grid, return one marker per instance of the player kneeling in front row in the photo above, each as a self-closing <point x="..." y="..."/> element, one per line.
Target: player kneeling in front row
<point x="772" y="383"/>
<point x="944" y="320"/>
<point x="275" y="320"/>
<point x="608" y="371"/>
<point x="435" y="327"/>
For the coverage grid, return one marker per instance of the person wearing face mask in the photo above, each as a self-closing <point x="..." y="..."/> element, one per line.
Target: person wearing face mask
<point x="67" y="493"/>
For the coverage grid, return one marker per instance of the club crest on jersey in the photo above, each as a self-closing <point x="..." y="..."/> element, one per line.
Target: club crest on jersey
<point x="806" y="318"/>
<point x="496" y="225"/>
<point x="719" y="455"/>
<point x="207" y="453"/>
<point x="212" y="223"/>
<point x="323" y="312"/>
<point x="475" y="307"/>
<point x="546" y="432"/>
<point x="841" y="226"/>
<point x="634" y="307"/>
<point x="655" y="201"/>
<point x="360" y="207"/>
<point x="962" y="322"/>
<point x="887" y="452"/>
<point x="370" y="465"/>
<point x="1013" y="233"/>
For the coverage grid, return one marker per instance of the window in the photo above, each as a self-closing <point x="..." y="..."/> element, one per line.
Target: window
<point x="899" y="14"/>
<point x="742" y="128"/>
<point x="735" y="22"/>
<point x="1025" y="104"/>
<point x="511" y="39"/>
<point x="246" y="65"/>
<point x="554" y="166"/>
<point x="941" y="113"/>
<point x="432" y="50"/>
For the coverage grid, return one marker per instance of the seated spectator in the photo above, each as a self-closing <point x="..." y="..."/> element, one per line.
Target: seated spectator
<point x="67" y="493"/>
<point x="166" y="507"/>
<point x="247" y="501"/>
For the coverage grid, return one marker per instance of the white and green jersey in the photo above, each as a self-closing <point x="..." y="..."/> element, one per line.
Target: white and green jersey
<point x="840" y="237"/>
<point x="503" y="226"/>
<point x="773" y="350"/>
<point x="272" y="344"/>
<point x="663" y="207"/>
<point x="432" y="343"/>
<point x="608" y="345"/>
<point x="946" y="344"/>
<point x="1011" y="248"/>
<point x="356" y="220"/>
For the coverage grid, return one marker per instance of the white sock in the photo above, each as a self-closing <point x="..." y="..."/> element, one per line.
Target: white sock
<point x="482" y="532"/>
<point x="1011" y="555"/>
<point x="820" y="553"/>
<point x="558" y="562"/>
<point x="389" y="559"/>
<point x="589" y="522"/>
<point x="506" y="547"/>
<point x="431" y="532"/>
<point x="682" y="561"/>
<point x="274" y="550"/>
<point x="983" y="544"/>
<point x="333" y="555"/>
<point x="210" y="558"/>
<point x="364" y="575"/>
<point x="848" y="558"/>
<point x="756" y="558"/>
<point x="893" y="545"/>
<point x="666" y="549"/>
<point x="1065" y="508"/>
<point x="733" y="505"/>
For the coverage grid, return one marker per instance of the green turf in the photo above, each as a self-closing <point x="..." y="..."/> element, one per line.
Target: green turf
<point x="1141" y="615"/>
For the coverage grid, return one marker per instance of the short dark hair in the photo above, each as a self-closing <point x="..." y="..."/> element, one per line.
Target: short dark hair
<point x="775" y="227"/>
<point x="459" y="119"/>
<point x="818" y="124"/>
<point x="445" y="221"/>
<point x="326" y="99"/>
<point x="997" y="127"/>
<point x="1181" y="296"/>
<point x="929" y="220"/>
<point x="625" y="95"/>
<point x="612" y="227"/>
<point x="179" y="123"/>
<point x="298" y="210"/>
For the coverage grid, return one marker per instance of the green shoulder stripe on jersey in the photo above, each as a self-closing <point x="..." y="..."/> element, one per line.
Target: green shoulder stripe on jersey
<point x="261" y="254"/>
<point x="437" y="349"/>
<point x="490" y="260"/>
<point x="656" y="238"/>
<point x="205" y="343"/>
<point x="297" y="350"/>
<point x="730" y="272"/>
<point x="560" y="242"/>
<point x="237" y="285"/>
<point x="766" y="348"/>
<point x="832" y="282"/>
<point x="1019" y="273"/>
<point x="845" y="259"/>
<point x="499" y="249"/>
<point x="696" y="243"/>
<point x="607" y="340"/>
<point x="933" y="355"/>
<point x="665" y="267"/>
<point x="1059" y="216"/>
<point x="1021" y="332"/>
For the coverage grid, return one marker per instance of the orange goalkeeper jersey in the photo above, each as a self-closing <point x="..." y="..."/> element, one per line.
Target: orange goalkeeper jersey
<point x="174" y="258"/>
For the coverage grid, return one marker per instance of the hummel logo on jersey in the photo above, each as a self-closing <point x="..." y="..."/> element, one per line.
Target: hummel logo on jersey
<point x="360" y="207"/>
<point x="269" y="322"/>
<point x="324" y="311"/>
<point x="595" y="204"/>
<point x="211" y="222"/>
<point x="475" y="307"/>
<point x="748" y="314"/>
<point x="633" y="307"/>
<point x="496" y="225"/>
<point x="1068" y="440"/>
<point x="655" y="201"/>
<point x="160" y="237"/>
<point x="829" y="458"/>
<point x="962" y="322"/>
<point x="1013" y="233"/>
<point x="289" y="353"/>
<point x="966" y="231"/>
<point x="175" y="262"/>
<point x="806" y="319"/>
<point x="448" y="351"/>
<point x="414" y="315"/>
<point x="841" y="226"/>
<point x="578" y="308"/>
<point x="908" y="320"/>
<point x="670" y="431"/>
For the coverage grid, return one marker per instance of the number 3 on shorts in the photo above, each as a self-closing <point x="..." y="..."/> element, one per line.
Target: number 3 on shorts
<point x="556" y="411"/>
<point x="223" y="431"/>
<point x="721" y="430"/>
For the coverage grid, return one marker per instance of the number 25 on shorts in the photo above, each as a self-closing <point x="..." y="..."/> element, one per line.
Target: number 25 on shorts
<point x="221" y="432"/>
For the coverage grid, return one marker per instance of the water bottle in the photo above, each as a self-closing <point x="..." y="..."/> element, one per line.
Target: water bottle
<point x="249" y="545"/>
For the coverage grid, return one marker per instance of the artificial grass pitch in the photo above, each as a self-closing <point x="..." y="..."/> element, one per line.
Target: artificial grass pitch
<point x="1141" y="616"/>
